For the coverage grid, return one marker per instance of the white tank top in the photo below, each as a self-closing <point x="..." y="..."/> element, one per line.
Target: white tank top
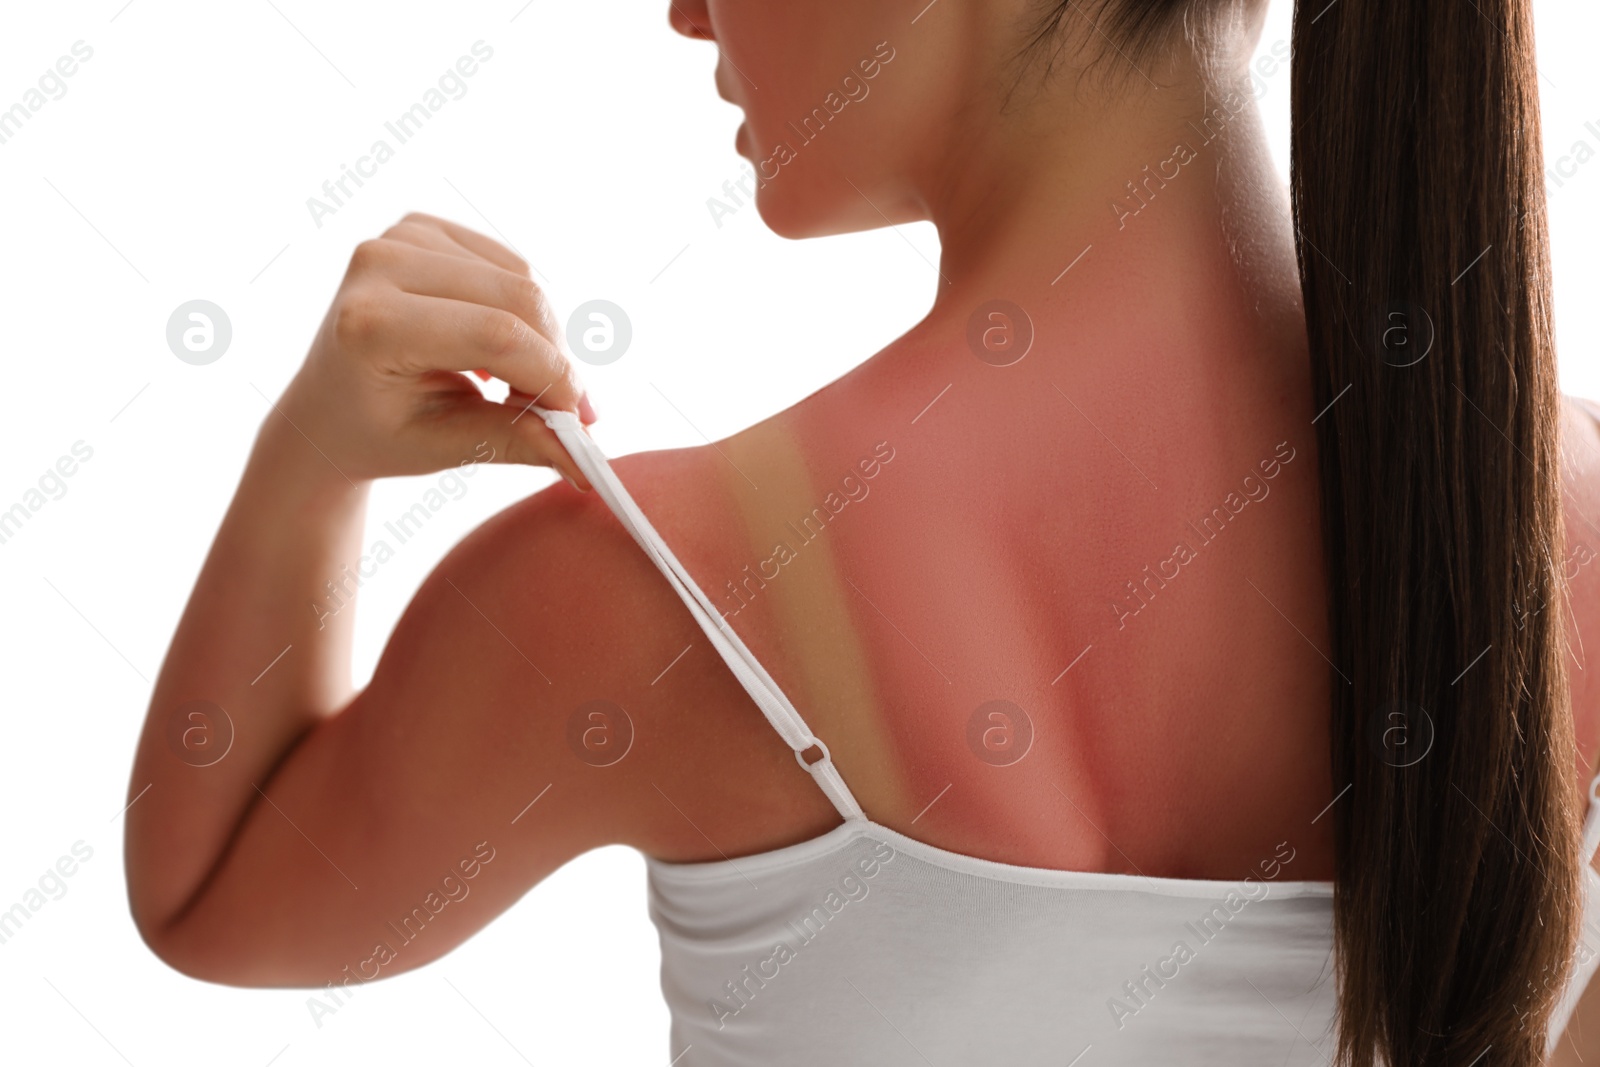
<point x="865" y="946"/>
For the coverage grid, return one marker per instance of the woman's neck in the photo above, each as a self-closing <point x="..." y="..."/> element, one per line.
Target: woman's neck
<point x="1101" y="214"/>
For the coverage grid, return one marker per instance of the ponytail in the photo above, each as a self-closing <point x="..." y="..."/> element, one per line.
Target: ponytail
<point x="1420" y="231"/>
<point x="1420" y="227"/>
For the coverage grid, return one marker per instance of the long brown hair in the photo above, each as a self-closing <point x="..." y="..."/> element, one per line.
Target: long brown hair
<point x="1420" y="228"/>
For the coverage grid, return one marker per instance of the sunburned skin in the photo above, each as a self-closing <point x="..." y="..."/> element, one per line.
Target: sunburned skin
<point x="992" y="551"/>
<point x="796" y="524"/>
<point x="1116" y="535"/>
<point x="1185" y="738"/>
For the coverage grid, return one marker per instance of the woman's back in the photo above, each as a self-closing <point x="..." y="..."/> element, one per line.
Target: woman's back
<point x="865" y="944"/>
<point x="868" y="943"/>
<point x="1116" y="536"/>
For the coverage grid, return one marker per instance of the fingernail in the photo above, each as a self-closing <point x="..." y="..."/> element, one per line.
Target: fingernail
<point x="570" y="480"/>
<point x="586" y="413"/>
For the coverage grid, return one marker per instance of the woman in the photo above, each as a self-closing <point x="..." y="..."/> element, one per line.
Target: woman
<point x="1189" y="639"/>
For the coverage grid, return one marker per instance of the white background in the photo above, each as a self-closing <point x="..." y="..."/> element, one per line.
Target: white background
<point x="177" y="166"/>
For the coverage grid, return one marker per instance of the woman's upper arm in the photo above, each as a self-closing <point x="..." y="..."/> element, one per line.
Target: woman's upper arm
<point x="453" y="783"/>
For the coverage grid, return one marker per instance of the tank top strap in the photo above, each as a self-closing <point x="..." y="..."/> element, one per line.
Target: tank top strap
<point x="746" y="668"/>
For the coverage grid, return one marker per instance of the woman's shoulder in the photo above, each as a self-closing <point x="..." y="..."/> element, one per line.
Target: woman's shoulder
<point x="627" y="695"/>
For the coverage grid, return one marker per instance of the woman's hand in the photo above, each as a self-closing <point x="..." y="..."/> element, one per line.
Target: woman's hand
<point x="382" y="391"/>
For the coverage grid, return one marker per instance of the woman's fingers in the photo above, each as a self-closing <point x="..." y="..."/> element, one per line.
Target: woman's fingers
<point x="426" y="272"/>
<point x="422" y="261"/>
<point x="586" y="412"/>
<point x="409" y="334"/>
<point x="435" y="239"/>
<point x="431" y="238"/>
<point x="513" y="435"/>
<point x="489" y="249"/>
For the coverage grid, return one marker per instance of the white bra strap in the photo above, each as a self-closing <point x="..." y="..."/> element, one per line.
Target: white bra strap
<point x="754" y="677"/>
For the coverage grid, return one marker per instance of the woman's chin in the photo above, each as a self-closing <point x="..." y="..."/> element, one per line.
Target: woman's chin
<point x="789" y="220"/>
